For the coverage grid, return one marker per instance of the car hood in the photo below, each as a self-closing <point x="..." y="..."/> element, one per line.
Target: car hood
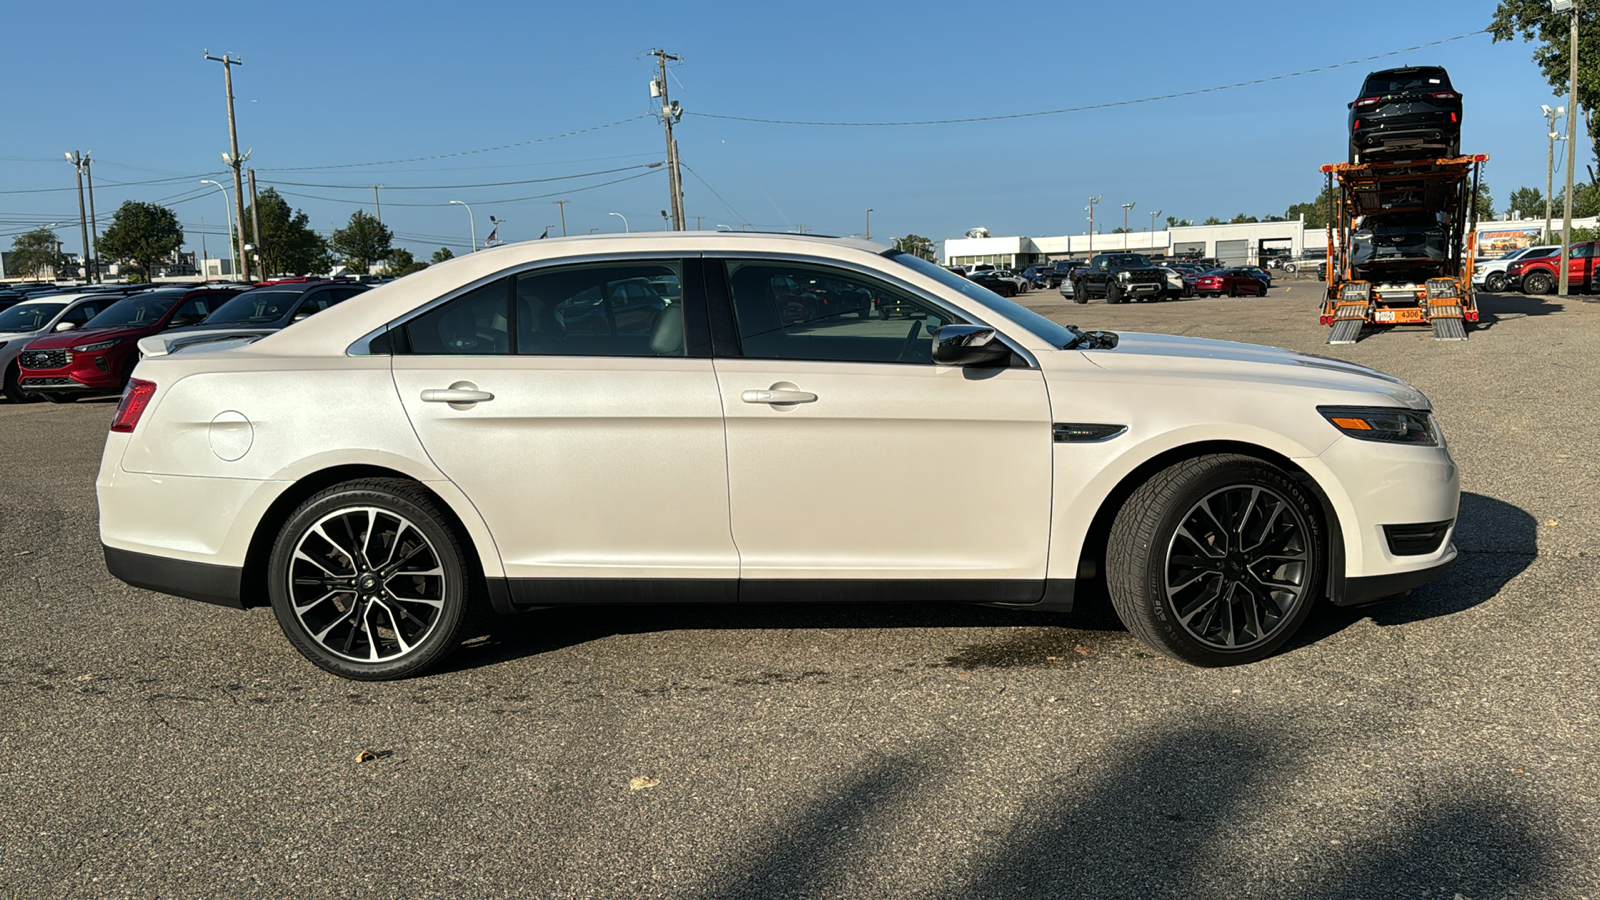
<point x="72" y="338"/>
<point x="1188" y="360"/>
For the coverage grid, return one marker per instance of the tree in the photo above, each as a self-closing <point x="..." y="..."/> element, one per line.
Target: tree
<point x="1585" y="201"/>
<point x="1121" y="230"/>
<point x="1175" y="222"/>
<point x="288" y="245"/>
<point x="1242" y="219"/>
<point x="1526" y="203"/>
<point x="1315" y="211"/>
<point x="417" y="266"/>
<point x="362" y="242"/>
<point x="1212" y="220"/>
<point x="916" y="245"/>
<point x="442" y="254"/>
<point x="34" y="253"/>
<point x="1533" y="21"/>
<point x="143" y="234"/>
<point x="1484" y="202"/>
<point x="399" y="262"/>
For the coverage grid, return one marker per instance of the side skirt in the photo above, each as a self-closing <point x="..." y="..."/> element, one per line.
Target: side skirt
<point x="511" y="595"/>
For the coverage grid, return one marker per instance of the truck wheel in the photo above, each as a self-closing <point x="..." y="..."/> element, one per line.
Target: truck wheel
<point x="1495" y="283"/>
<point x="1217" y="560"/>
<point x="1537" y="283"/>
<point x="1112" y="294"/>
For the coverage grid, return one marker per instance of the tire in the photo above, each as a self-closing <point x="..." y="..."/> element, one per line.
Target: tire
<point x="883" y="313"/>
<point x="337" y="527"/>
<point x="1537" y="283"/>
<point x="14" y="391"/>
<point x="1495" y="282"/>
<point x="1112" y="294"/>
<point x="1079" y="295"/>
<point x="1233" y="291"/>
<point x="1256" y="548"/>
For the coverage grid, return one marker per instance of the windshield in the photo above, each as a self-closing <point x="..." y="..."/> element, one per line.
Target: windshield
<point x="1046" y="330"/>
<point x="255" y="308"/>
<point x="29" y="316"/>
<point x="140" y="309"/>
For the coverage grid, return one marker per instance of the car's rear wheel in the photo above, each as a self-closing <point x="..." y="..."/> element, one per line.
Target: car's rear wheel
<point x="1494" y="283"/>
<point x="1537" y="283"/>
<point x="1216" y="560"/>
<point x="368" y="580"/>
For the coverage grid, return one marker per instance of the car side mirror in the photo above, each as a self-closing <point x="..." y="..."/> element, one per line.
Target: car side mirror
<point x="969" y="345"/>
<point x="66" y="326"/>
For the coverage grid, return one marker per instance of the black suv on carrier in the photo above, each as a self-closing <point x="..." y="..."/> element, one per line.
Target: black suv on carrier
<point x="1405" y="113"/>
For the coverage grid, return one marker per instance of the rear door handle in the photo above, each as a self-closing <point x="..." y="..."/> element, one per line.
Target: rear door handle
<point x="456" y="393"/>
<point x="778" y="395"/>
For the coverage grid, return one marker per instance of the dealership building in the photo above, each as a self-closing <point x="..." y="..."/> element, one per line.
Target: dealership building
<point x="1234" y="245"/>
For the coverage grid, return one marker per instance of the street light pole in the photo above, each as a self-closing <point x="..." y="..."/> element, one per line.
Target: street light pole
<point x="1550" y="164"/>
<point x="1125" y="208"/>
<point x="471" y="223"/>
<point x="624" y="219"/>
<point x="1090" y="208"/>
<point x="869" y="223"/>
<point x="227" y="207"/>
<point x="94" y="227"/>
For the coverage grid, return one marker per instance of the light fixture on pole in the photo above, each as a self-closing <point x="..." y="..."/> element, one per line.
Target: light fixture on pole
<point x="471" y="223"/>
<point x="227" y="206"/>
<point x="1125" y="208"/>
<point x="624" y="219"/>
<point x="1090" y="208"/>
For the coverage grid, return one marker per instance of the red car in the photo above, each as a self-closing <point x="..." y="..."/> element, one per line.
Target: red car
<point x="1542" y="275"/>
<point x="1232" y="282"/>
<point x="98" y="358"/>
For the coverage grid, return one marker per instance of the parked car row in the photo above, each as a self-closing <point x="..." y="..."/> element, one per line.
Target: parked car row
<point x="63" y="346"/>
<point x="1119" y="277"/>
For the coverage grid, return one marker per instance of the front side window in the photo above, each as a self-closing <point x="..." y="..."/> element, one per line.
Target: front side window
<point x="81" y="315"/>
<point x="28" y="316"/>
<point x="194" y="311"/>
<point x="797" y="311"/>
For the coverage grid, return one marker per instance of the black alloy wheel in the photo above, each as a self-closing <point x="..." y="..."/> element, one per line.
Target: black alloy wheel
<point x="1216" y="560"/>
<point x="368" y="580"/>
<point x="1537" y="283"/>
<point x="1495" y="282"/>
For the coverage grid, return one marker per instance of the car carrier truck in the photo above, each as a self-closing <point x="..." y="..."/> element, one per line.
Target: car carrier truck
<point x="1401" y="242"/>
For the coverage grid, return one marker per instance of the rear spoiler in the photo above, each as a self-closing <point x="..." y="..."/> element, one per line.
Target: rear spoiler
<point x="165" y="345"/>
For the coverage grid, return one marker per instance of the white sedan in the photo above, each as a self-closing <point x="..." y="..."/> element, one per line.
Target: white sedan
<point x="536" y="425"/>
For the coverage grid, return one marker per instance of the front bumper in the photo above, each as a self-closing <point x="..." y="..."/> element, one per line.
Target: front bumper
<point x="1141" y="287"/>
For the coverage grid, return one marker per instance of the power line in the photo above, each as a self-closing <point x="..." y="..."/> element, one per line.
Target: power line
<point x="575" y="190"/>
<point x="390" y="162"/>
<point x="452" y="187"/>
<point x="738" y="215"/>
<point x="1092" y="106"/>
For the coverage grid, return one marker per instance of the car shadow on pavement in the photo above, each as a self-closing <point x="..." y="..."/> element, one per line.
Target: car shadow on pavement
<point x="1494" y="308"/>
<point x="1186" y="810"/>
<point x="1497" y="542"/>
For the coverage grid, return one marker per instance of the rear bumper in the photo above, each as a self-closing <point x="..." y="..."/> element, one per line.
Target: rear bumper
<point x="178" y="577"/>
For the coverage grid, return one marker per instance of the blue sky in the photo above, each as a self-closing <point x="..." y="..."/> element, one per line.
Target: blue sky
<point x="336" y="84"/>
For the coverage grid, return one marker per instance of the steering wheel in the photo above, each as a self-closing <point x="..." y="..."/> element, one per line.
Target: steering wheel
<point x="911" y="340"/>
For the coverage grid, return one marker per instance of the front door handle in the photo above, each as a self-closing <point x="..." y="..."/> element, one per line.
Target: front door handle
<point x="460" y="395"/>
<point x="779" y="393"/>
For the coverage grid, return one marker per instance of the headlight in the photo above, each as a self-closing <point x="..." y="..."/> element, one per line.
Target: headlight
<point x="1123" y="276"/>
<point x="102" y="345"/>
<point x="1383" y="424"/>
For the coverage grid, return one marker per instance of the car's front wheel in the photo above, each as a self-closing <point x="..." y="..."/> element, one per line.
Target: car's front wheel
<point x="369" y="581"/>
<point x="1216" y="560"/>
<point x="1495" y="282"/>
<point x="13" y="390"/>
<point x="1538" y="283"/>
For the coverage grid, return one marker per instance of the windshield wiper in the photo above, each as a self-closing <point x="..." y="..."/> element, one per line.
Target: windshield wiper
<point x="1090" y="340"/>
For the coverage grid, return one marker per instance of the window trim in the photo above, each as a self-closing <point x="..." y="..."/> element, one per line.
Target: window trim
<point x="721" y="302"/>
<point x="694" y="303"/>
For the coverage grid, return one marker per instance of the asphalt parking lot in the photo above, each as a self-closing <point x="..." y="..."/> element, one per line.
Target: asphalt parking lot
<point x="1442" y="745"/>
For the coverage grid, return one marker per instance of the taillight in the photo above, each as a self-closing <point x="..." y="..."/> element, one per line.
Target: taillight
<point x="1356" y="126"/>
<point x="1454" y="118"/>
<point x="1445" y="95"/>
<point x="1369" y="101"/>
<point x="134" y="401"/>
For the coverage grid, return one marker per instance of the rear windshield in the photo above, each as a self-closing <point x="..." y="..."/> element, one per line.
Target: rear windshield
<point x="140" y="309"/>
<point x="29" y="316"/>
<point x="255" y="308"/>
<point x="1405" y="81"/>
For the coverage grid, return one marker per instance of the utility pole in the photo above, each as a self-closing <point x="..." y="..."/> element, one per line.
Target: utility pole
<point x="255" y="218"/>
<point x="1090" y="208"/>
<point x="376" y="204"/>
<point x="76" y="159"/>
<point x="1572" y="116"/>
<point x="1153" y="226"/>
<point x="1125" y="208"/>
<point x="670" y="114"/>
<point x="697" y="222"/>
<point x="869" y="223"/>
<point x="563" y="206"/>
<point x="232" y="158"/>
<point x="94" y="227"/>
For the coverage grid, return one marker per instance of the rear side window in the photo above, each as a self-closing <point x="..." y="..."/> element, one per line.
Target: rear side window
<point x="476" y="323"/>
